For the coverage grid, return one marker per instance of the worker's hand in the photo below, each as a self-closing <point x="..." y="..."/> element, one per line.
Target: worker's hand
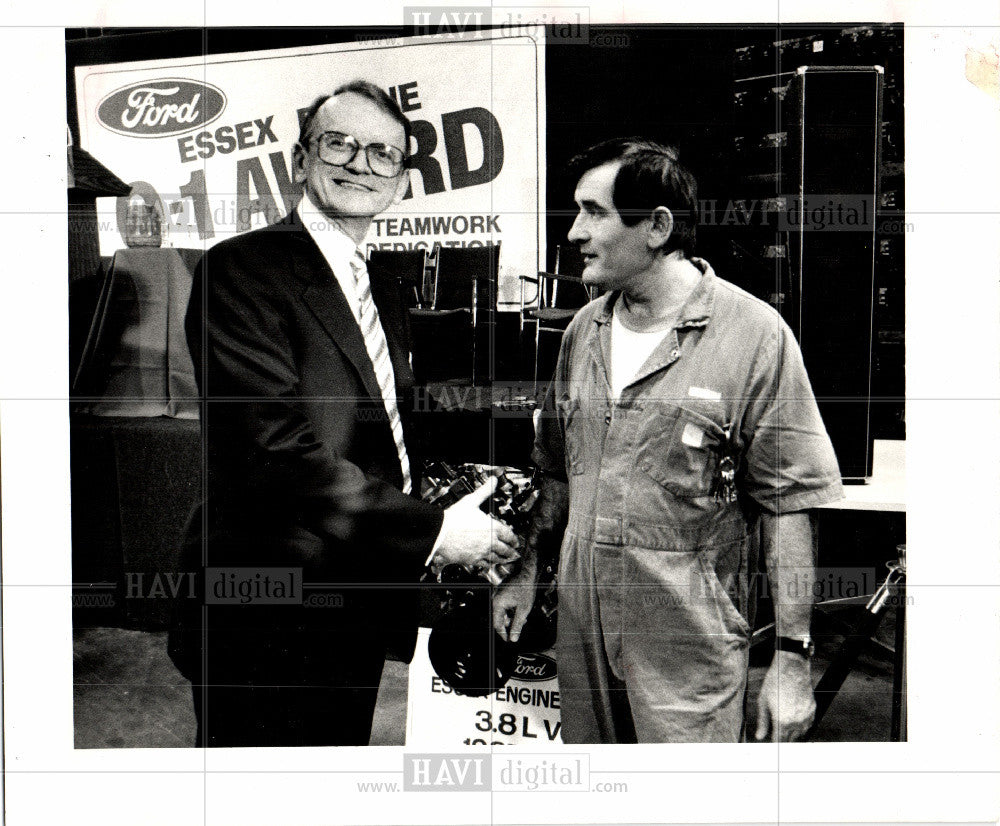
<point x="512" y="603"/>
<point x="785" y="708"/>
<point x="472" y="538"/>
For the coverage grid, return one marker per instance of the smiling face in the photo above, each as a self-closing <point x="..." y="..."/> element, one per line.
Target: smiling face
<point x="614" y="255"/>
<point x="351" y="194"/>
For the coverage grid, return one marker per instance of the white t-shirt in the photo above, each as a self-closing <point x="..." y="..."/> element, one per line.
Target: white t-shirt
<point x="629" y="351"/>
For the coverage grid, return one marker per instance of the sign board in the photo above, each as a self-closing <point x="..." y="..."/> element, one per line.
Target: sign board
<point x="207" y="141"/>
<point x="525" y="710"/>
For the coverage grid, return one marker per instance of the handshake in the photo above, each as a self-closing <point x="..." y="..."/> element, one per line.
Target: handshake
<point x="474" y="548"/>
<point x="487" y="546"/>
<point x="474" y="539"/>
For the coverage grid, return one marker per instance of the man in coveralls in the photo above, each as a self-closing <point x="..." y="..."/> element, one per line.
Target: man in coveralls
<point x="679" y="422"/>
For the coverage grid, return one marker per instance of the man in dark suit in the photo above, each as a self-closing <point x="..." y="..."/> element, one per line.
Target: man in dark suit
<point x="310" y="538"/>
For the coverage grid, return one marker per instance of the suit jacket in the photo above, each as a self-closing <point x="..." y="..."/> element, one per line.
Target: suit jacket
<point x="301" y="467"/>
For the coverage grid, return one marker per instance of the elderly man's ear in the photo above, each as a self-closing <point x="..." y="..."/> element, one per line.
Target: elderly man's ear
<point x="298" y="164"/>
<point x="661" y="228"/>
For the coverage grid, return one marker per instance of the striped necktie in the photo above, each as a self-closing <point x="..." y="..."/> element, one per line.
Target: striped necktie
<point x="378" y="352"/>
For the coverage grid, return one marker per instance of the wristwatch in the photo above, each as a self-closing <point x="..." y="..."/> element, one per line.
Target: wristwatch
<point x="803" y="646"/>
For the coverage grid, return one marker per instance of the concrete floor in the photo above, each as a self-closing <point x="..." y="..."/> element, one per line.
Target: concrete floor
<point x="127" y="693"/>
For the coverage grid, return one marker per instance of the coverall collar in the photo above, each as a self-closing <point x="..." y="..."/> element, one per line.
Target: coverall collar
<point x="695" y="312"/>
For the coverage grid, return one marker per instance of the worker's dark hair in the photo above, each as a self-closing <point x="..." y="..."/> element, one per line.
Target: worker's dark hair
<point x="650" y="175"/>
<point x="365" y="89"/>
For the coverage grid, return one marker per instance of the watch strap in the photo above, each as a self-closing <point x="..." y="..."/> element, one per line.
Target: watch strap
<point x="796" y="645"/>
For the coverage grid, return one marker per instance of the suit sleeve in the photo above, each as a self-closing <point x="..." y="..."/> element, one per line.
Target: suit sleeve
<point x="237" y="328"/>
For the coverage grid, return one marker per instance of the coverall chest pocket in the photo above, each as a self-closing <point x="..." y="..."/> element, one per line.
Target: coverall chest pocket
<point x="573" y="436"/>
<point x="682" y="448"/>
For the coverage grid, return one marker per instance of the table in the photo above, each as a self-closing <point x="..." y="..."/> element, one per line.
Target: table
<point x="886" y="489"/>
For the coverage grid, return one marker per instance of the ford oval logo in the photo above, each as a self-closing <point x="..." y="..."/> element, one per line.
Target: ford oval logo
<point x="158" y="108"/>
<point x="534" y="668"/>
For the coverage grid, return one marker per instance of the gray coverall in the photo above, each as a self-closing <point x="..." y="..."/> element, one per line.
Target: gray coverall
<point x="653" y="635"/>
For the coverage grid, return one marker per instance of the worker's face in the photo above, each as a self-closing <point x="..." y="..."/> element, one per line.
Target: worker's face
<point x="351" y="190"/>
<point x="614" y="254"/>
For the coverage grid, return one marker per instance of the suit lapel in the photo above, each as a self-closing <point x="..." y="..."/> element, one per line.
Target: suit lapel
<point x="328" y="304"/>
<point x="326" y="300"/>
<point x="323" y="296"/>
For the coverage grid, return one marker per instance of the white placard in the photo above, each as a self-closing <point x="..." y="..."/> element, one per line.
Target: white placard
<point x="525" y="711"/>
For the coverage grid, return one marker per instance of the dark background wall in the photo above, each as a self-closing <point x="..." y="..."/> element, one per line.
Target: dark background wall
<point x="672" y="84"/>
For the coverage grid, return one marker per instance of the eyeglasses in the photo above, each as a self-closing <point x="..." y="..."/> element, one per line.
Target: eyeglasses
<point x="339" y="149"/>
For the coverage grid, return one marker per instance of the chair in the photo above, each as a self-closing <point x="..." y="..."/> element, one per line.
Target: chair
<point x="408" y="267"/>
<point x="559" y="296"/>
<point x="463" y="299"/>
